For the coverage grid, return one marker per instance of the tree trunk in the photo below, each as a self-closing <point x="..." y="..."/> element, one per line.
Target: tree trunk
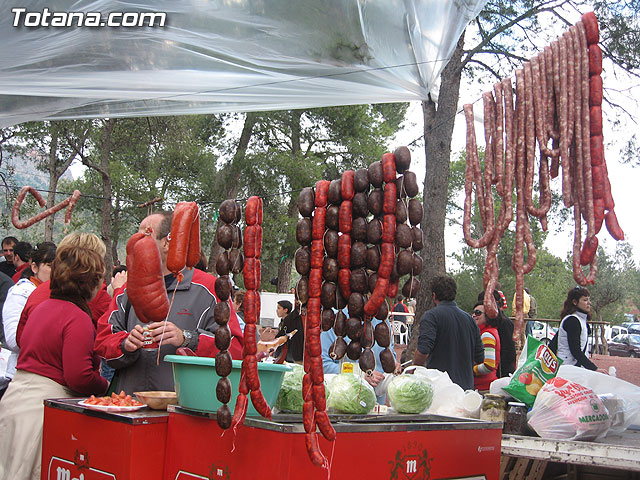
<point x="115" y="232"/>
<point x="438" y="130"/>
<point x="284" y="269"/>
<point x="105" y="152"/>
<point x="232" y="178"/>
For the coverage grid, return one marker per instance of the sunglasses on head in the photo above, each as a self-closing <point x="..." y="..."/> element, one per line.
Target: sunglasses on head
<point x="477" y="313"/>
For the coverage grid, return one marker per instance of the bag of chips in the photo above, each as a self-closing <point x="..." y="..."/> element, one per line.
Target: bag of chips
<point x="539" y="366"/>
<point x="566" y="410"/>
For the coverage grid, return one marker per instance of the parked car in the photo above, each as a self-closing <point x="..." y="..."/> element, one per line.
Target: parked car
<point x="612" y="332"/>
<point x="634" y="328"/>
<point x="625" y="345"/>
<point x="543" y="332"/>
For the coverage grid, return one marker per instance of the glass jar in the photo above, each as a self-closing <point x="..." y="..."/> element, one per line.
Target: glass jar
<point x="516" y="419"/>
<point x="493" y="408"/>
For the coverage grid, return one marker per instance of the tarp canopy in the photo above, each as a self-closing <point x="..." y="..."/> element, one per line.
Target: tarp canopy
<point x="216" y="56"/>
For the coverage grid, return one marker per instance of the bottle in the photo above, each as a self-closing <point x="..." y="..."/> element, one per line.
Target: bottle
<point x="493" y="408"/>
<point x="515" y="419"/>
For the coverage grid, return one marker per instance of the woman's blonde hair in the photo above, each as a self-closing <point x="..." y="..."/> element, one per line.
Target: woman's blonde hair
<point x="76" y="273"/>
<point x="86" y="240"/>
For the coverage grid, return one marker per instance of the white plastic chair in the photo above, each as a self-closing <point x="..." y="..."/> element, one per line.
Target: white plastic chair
<point x="400" y="331"/>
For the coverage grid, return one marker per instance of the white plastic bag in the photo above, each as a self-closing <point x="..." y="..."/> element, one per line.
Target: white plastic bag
<point x="621" y="398"/>
<point x="566" y="410"/>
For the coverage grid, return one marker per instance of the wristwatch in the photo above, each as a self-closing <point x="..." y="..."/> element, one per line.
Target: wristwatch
<point x="188" y="335"/>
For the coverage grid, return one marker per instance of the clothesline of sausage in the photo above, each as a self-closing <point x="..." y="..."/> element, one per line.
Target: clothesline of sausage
<point x="558" y="97"/>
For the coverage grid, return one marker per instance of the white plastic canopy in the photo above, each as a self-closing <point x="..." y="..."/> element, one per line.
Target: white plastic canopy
<point x="216" y="56"/>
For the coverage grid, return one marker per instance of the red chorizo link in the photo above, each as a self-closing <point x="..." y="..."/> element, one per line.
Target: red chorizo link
<point x="595" y="120"/>
<point x="347" y="186"/>
<point x="15" y="212"/>
<point x="613" y="227"/>
<point x="596" y="148"/>
<point x="260" y="404"/>
<point x="317" y="253"/>
<point x="595" y="90"/>
<point x="389" y="167"/>
<point x="592" y="31"/>
<point x="318" y="223"/>
<point x="308" y="419"/>
<point x="344" y="216"/>
<point x="251" y="210"/>
<point x="324" y="424"/>
<point x="598" y="213"/>
<point x="389" y="228"/>
<point x="321" y="193"/>
<point x="307" y="387"/>
<point x="389" y="199"/>
<point x="344" y="282"/>
<point x="595" y="60"/>
<point x="315" y="455"/>
<point x="588" y="250"/>
<point x="250" y="242"/>
<point x="344" y="251"/>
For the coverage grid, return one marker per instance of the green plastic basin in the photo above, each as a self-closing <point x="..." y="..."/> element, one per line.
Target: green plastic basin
<point x="196" y="379"/>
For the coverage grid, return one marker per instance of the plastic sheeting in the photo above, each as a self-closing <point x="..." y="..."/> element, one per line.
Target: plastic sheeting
<point x="223" y="55"/>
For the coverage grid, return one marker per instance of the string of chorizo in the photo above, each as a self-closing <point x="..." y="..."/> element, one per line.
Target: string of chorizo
<point x="69" y="202"/>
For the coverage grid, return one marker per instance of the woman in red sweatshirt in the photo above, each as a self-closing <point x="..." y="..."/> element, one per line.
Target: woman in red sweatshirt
<point x="56" y="359"/>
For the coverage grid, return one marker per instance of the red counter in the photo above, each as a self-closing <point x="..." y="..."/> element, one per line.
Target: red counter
<point x="84" y="444"/>
<point x="375" y="447"/>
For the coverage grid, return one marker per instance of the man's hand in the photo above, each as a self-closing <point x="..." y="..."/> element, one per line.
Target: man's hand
<point x="375" y="378"/>
<point x="135" y="339"/>
<point x="118" y="280"/>
<point x="172" y="334"/>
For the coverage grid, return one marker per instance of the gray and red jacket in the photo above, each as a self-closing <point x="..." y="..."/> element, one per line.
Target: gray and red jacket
<point x="192" y="309"/>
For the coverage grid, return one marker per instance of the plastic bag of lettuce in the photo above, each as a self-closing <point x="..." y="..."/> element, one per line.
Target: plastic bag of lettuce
<point x="410" y="393"/>
<point x="348" y="393"/>
<point x="290" y="397"/>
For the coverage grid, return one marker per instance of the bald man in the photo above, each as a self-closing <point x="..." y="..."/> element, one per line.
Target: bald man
<point x="131" y="347"/>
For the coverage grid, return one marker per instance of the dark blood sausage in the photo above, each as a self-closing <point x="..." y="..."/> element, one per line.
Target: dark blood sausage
<point x="21" y="224"/>
<point x="416" y="238"/>
<point x="331" y="219"/>
<point x="403" y="235"/>
<point x="228" y="211"/>
<point x="382" y="334"/>
<point x="330" y="269"/>
<point x="373" y="258"/>
<point x="410" y="183"/>
<point x="354" y="349"/>
<point x="306" y="201"/>
<point x="374" y="231"/>
<point x="415" y="212"/>
<point x="334" y="197"/>
<point x="404" y="262"/>
<point x="387" y="360"/>
<point x="302" y="260"/>
<point x="221" y="313"/>
<point x="361" y="180"/>
<point x="223" y="267"/>
<point x="360" y="205"/>
<point x="236" y="260"/>
<point x="359" y="229"/>
<point x="375" y="174"/>
<point x="403" y="158"/>
<point x="375" y="202"/>
<point x="402" y="213"/>
<point x="303" y="231"/>
<point x="358" y="254"/>
<point x="331" y="239"/>
<point x="224" y="235"/>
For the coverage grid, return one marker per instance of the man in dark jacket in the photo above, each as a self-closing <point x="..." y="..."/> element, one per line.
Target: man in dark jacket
<point x="449" y="338"/>
<point x="291" y="320"/>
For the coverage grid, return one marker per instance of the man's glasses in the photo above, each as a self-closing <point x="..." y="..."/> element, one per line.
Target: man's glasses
<point x="477" y="313"/>
<point x="7" y="250"/>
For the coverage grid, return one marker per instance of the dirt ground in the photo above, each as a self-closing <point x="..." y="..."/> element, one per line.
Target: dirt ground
<point x="627" y="369"/>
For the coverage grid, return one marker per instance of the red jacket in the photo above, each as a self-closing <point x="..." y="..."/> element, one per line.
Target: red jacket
<point x="191" y="309"/>
<point x="98" y="305"/>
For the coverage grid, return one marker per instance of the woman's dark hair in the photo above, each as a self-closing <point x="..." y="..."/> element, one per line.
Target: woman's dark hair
<point x="444" y="287"/>
<point x="576" y="293"/>
<point x="76" y="274"/>
<point x="45" y="252"/>
<point x="492" y="322"/>
<point x="286" y="304"/>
